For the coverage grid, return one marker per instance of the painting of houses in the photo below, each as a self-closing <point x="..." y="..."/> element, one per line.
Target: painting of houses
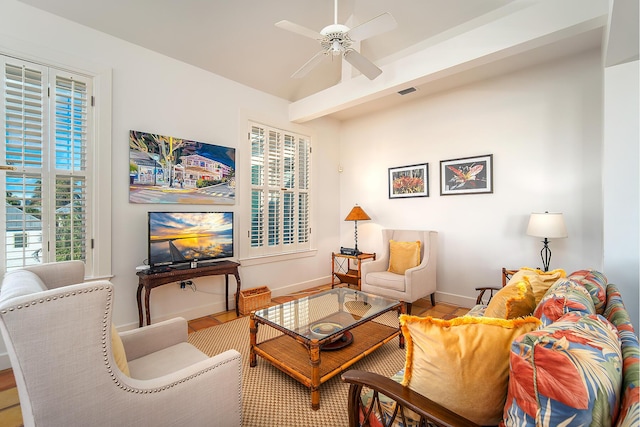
<point x="165" y="169"/>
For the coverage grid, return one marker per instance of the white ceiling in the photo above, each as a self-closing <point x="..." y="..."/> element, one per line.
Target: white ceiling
<point x="237" y="39"/>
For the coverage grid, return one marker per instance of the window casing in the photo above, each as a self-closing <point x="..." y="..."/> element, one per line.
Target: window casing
<point x="47" y="123"/>
<point x="280" y="191"/>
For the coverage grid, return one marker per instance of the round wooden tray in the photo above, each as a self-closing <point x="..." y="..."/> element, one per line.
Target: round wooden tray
<point x="342" y="342"/>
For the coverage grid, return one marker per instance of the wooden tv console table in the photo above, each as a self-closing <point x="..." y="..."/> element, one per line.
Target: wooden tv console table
<point x="148" y="280"/>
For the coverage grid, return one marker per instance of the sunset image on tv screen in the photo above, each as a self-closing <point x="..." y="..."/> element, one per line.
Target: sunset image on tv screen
<point x="176" y="237"/>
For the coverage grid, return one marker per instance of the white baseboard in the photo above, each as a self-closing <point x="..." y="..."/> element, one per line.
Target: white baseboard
<point x="189" y="314"/>
<point x="298" y="287"/>
<point x="218" y="307"/>
<point x="453" y="299"/>
<point x="4" y="362"/>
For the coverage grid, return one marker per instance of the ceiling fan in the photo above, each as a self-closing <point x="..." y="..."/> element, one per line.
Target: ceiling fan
<point x="336" y="39"/>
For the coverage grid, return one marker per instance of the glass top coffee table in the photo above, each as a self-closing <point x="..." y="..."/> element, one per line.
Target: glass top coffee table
<point x="336" y="329"/>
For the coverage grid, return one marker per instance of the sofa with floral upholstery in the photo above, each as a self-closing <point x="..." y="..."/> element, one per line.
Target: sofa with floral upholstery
<point x="549" y="349"/>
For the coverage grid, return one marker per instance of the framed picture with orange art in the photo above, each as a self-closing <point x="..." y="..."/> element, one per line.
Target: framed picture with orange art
<point x="409" y="181"/>
<point x="469" y="175"/>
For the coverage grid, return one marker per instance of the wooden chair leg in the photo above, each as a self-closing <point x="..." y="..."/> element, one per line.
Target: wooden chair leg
<point x="408" y="305"/>
<point x="433" y="299"/>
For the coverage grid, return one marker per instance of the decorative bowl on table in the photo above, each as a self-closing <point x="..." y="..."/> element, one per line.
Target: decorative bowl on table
<point x="321" y="330"/>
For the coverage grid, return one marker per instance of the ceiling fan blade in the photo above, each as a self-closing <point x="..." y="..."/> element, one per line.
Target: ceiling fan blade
<point x="362" y="64"/>
<point x="309" y="65"/>
<point x="378" y="25"/>
<point x="299" y="29"/>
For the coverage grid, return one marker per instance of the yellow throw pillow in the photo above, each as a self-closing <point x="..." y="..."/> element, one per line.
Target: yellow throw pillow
<point x="463" y="363"/>
<point x="540" y="280"/>
<point x="514" y="300"/>
<point x="118" y="351"/>
<point x="403" y="256"/>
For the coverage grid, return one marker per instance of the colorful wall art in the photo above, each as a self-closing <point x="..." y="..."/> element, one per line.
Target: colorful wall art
<point x="409" y="181"/>
<point x="166" y="169"/>
<point x="469" y="175"/>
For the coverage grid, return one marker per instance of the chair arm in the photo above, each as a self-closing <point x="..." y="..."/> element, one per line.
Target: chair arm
<point x="482" y="290"/>
<point x="208" y="392"/>
<point x="381" y="264"/>
<point x="417" y="274"/>
<point x="149" y="339"/>
<point x="420" y="280"/>
<point x="405" y="398"/>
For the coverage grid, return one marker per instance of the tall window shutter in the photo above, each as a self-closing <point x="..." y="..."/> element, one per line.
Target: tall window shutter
<point x="257" y="229"/>
<point x="304" y="160"/>
<point x="45" y="142"/>
<point x="280" y="168"/>
<point x="24" y="117"/>
<point x="70" y="115"/>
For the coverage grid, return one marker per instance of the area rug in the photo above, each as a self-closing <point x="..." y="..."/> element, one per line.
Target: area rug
<point x="272" y="398"/>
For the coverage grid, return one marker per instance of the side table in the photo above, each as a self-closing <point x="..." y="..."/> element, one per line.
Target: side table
<point x="341" y="268"/>
<point x="148" y="280"/>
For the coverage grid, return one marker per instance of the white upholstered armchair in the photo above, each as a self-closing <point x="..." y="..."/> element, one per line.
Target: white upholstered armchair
<point x="58" y="333"/>
<point x="417" y="282"/>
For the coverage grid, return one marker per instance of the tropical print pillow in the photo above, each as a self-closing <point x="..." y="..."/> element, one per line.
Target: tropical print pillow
<point x="616" y="313"/>
<point x="630" y="407"/>
<point x="563" y="297"/>
<point x="595" y="283"/>
<point x="566" y="374"/>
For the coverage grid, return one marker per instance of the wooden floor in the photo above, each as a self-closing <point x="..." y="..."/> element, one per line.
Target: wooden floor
<point x="10" y="415"/>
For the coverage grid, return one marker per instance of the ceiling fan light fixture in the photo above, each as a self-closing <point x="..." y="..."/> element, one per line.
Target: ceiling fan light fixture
<point x="329" y="30"/>
<point x="337" y="39"/>
<point x="336" y="47"/>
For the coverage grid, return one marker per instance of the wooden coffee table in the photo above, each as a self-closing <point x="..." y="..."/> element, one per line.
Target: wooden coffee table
<point x="321" y="322"/>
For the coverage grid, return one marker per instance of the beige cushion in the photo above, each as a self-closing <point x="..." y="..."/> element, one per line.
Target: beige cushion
<point x="403" y="256"/>
<point x="540" y="280"/>
<point x="463" y="363"/>
<point x="165" y="361"/>
<point x="18" y="283"/>
<point x="387" y="280"/>
<point x="514" y="300"/>
<point x="118" y="351"/>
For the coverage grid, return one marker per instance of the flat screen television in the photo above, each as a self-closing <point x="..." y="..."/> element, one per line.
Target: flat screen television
<point x="177" y="238"/>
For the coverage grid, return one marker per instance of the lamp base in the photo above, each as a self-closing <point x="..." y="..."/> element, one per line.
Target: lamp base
<point x="545" y="254"/>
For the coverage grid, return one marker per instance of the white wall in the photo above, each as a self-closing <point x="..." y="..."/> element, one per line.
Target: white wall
<point x="158" y="95"/>
<point x="543" y="126"/>
<point x="621" y="161"/>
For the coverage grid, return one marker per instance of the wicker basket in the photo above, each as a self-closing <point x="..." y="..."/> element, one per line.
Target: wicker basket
<point x="253" y="299"/>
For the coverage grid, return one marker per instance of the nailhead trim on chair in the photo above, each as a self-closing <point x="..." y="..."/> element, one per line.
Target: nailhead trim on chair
<point x="51" y="298"/>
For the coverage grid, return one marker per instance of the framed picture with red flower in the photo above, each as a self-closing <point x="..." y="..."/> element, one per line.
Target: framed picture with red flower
<point x="409" y="181"/>
<point x="469" y="175"/>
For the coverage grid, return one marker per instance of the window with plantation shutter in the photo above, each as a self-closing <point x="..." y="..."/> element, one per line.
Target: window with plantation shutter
<point x="46" y="123"/>
<point x="280" y="188"/>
